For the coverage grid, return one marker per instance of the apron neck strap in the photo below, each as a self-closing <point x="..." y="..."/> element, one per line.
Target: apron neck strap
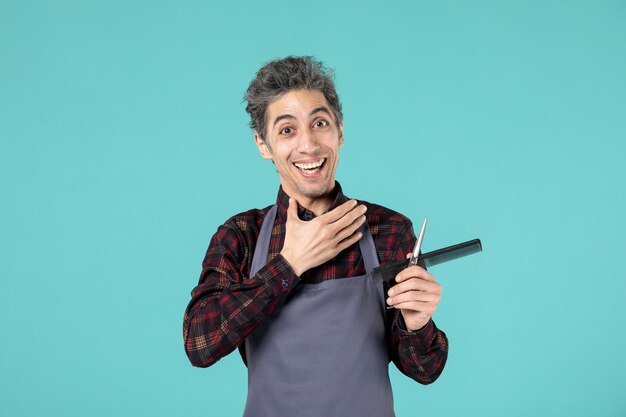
<point x="263" y="242"/>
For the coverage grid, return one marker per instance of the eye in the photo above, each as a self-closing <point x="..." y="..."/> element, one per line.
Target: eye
<point x="286" y="131"/>
<point x="320" y="123"/>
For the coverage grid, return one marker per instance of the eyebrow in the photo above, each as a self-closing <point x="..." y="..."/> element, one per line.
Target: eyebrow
<point x="282" y="117"/>
<point x="320" y="109"/>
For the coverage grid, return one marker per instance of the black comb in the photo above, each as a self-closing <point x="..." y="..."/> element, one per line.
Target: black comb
<point x="388" y="272"/>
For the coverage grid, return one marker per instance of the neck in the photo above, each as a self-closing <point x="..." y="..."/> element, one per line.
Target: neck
<point x="318" y="205"/>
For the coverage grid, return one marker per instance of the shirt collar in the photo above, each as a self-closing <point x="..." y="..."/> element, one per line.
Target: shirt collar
<point x="282" y="203"/>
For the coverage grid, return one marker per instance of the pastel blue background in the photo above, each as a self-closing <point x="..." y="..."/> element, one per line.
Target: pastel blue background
<point x="124" y="144"/>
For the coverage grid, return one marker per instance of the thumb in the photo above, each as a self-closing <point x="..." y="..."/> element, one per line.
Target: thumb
<point x="292" y="210"/>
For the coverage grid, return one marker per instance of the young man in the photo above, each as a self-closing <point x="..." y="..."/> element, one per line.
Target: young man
<point x="291" y="285"/>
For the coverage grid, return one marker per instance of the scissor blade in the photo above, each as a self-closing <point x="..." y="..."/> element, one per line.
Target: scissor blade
<point x="418" y="244"/>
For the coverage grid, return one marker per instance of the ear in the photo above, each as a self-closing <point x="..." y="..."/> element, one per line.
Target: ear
<point x="341" y="134"/>
<point x="263" y="148"/>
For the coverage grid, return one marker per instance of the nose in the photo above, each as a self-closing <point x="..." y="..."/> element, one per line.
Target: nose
<point x="308" y="142"/>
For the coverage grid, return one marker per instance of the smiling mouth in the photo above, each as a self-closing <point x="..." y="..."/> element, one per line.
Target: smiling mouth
<point x="310" y="168"/>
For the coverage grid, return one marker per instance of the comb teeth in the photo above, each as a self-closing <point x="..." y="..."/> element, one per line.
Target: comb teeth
<point x="388" y="272"/>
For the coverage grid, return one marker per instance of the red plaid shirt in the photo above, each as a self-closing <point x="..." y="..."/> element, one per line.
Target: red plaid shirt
<point x="228" y="304"/>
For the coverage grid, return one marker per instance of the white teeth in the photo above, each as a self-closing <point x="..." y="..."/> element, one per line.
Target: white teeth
<point x="312" y="165"/>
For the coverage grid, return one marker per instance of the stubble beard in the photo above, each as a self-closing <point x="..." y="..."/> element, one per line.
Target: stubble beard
<point x="317" y="192"/>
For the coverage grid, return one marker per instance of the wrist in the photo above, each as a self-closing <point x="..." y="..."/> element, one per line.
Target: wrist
<point x="411" y="325"/>
<point x="291" y="260"/>
<point x="416" y="327"/>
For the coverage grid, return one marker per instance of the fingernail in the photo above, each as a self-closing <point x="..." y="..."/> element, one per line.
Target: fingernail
<point x="390" y="293"/>
<point x="389" y="301"/>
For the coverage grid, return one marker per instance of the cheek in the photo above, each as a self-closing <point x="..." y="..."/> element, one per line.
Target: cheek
<point x="282" y="150"/>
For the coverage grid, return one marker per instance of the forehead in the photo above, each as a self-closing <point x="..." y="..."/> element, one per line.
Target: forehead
<point x="297" y="103"/>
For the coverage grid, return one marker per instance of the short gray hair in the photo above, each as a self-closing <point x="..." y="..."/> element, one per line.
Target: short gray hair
<point x="278" y="77"/>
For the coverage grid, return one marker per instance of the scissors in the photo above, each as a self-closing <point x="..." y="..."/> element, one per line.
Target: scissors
<point x="418" y="244"/>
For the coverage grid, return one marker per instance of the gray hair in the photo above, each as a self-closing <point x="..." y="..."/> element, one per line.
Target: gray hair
<point x="278" y="77"/>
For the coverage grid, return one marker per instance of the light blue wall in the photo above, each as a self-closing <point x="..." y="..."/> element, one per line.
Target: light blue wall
<point x="124" y="144"/>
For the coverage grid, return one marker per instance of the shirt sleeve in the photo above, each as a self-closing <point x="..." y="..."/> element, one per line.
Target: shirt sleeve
<point x="420" y="354"/>
<point x="227" y="304"/>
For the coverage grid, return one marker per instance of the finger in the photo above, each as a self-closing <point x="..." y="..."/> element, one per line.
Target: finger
<point x="414" y="271"/>
<point x="347" y="223"/>
<point x="414" y="296"/>
<point x="426" y="308"/>
<point x="346" y="243"/>
<point x="338" y="212"/>
<point x="351" y="214"/>
<point x="350" y="229"/>
<point x="415" y="284"/>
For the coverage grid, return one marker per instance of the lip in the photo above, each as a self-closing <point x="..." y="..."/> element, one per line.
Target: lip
<point x="311" y="161"/>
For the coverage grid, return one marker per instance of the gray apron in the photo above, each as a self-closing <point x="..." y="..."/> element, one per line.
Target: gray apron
<point x="323" y="353"/>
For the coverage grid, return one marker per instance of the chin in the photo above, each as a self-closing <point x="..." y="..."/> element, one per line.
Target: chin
<point x="316" y="192"/>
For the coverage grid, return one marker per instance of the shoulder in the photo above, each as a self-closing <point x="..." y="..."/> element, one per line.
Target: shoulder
<point x="385" y="220"/>
<point x="392" y="232"/>
<point x="240" y="231"/>
<point x="248" y="220"/>
<point x="235" y="239"/>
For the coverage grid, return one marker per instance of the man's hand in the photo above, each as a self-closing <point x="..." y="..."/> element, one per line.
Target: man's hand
<point x="309" y="244"/>
<point x="416" y="294"/>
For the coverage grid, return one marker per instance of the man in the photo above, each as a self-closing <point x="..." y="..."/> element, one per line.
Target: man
<point x="291" y="286"/>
